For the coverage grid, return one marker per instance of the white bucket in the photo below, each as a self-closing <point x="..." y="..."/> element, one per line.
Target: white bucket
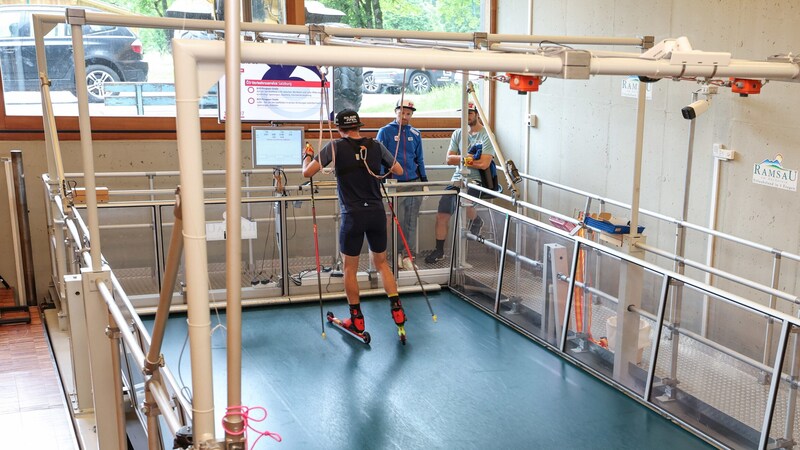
<point x="644" y="336"/>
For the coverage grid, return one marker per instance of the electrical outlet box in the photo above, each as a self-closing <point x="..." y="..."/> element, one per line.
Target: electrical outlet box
<point x="723" y="153"/>
<point x="532" y="120"/>
<point x="709" y="89"/>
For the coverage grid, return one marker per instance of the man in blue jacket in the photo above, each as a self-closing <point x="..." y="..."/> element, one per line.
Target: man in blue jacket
<point x="405" y="141"/>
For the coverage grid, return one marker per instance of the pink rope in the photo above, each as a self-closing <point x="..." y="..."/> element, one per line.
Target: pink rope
<point x="244" y="411"/>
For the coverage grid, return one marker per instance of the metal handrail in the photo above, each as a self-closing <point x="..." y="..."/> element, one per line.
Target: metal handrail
<point x="700" y="286"/>
<point x="665" y="218"/>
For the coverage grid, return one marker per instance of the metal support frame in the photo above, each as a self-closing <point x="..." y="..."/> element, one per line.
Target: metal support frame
<point x="555" y="298"/>
<point x="648" y="387"/>
<point x="631" y="279"/>
<point x="79" y="345"/>
<point x="776" y="273"/>
<point x="772" y="397"/>
<point x="106" y="377"/>
<point x="501" y="266"/>
<point x="570" y="297"/>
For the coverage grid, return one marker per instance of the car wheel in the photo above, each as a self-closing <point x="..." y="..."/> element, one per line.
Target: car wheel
<point x="370" y="86"/>
<point x="96" y="77"/>
<point x="348" y="84"/>
<point x="420" y="83"/>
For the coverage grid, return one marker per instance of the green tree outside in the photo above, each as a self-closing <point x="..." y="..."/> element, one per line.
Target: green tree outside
<point x="423" y="15"/>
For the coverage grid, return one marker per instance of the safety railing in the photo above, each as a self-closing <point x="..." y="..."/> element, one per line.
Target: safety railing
<point x="130" y="228"/>
<point x="134" y="340"/>
<point x="609" y="312"/>
<point x="775" y="254"/>
<point x="578" y="294"/>
<point x="772" y="295"/>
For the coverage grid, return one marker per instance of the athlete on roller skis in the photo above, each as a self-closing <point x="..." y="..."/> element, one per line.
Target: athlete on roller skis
<point x="356" y="160"/>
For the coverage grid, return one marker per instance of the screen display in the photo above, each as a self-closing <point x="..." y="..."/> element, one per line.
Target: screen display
<point x="279" y="93"/>
<point x="277" y="146"/>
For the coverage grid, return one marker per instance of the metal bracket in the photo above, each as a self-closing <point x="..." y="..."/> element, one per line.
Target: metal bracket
<point x="782" y="443"/>
<point x="648" y="42"/>
<point x="670" y="390"/>
<point x="76" y="16"/>
<point x="576" y="64"/>
<point x="316" y="33"/>
<point x="480" y="39"/>
<point x="112" y="332"/>
<point x="150" y="409"/>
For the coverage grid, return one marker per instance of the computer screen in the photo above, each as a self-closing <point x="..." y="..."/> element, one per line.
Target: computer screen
<point x="277" y="146"/>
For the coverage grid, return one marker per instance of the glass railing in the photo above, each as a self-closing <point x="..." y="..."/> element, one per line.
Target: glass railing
<point x="637" y="326"/>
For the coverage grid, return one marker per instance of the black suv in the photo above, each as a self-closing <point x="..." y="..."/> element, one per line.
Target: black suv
<point x="113" y="53"/>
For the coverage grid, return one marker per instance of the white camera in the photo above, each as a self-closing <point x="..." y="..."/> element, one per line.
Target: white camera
<point x="695" y="109"/>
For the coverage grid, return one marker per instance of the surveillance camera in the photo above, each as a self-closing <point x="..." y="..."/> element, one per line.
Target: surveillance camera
<point x="695" y="109"/>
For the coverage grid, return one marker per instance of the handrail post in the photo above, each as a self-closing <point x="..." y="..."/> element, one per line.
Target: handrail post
<point x="763" y="378"/>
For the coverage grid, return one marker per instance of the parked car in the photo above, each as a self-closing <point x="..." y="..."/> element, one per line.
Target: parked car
<point x="113" y="53"/>
<point x="378" y="80"/>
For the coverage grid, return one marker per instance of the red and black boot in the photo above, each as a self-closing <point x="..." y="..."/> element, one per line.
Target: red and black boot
<point x="354" y="326"/>
<point x="356" y="321"/>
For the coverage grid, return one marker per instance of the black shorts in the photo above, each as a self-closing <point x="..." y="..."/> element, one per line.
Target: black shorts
<point x="355" y="226"/>
<point x="447" y="204"/>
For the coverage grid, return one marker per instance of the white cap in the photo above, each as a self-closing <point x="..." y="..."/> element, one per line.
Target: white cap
<point x="405" y="104"/>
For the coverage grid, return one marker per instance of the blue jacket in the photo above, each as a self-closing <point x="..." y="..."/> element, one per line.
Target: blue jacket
<point x="410" y="155"/>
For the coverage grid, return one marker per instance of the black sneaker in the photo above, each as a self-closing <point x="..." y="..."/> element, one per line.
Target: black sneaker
<point x="475" y="227"/>
<point x="434" y="256"/>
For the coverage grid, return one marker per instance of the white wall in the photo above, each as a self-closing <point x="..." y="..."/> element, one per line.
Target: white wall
<point x="585" y="136"/>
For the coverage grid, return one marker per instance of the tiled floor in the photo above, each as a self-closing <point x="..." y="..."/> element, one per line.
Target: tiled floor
<point x="33" y="413"/>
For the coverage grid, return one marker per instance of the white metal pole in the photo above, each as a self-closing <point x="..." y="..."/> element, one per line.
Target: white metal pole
<point x="76" y="20"/>
<point x="712" y="224"/>
<point x="637" y="159"/>
<point x="475" y="60"/>
<point x="499" y="153"/>
<point x="16" y="244"/>
<point x="55" y="168"/>
<point x="190" y="159"/>
<point x="233" y="244"/>
<point x="54" y="165"/>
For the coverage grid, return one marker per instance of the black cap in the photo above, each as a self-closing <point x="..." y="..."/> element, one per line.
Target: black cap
<point x="347" y="119"/>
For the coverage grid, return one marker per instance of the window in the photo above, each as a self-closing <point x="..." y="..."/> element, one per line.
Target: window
<point x="142" y="57"/>
<point x="437" y="93"/>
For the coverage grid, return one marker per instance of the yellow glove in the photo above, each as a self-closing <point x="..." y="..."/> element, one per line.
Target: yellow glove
<point x="469" y="160"/>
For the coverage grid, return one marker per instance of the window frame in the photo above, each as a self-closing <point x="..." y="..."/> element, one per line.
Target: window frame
<point x="31" y="128"/>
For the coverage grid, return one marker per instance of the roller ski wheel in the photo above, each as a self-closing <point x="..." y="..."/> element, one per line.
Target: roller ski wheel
<point x="363" y="337"/>
<point x="399" y="317"/>
<point x="401" y="331"/>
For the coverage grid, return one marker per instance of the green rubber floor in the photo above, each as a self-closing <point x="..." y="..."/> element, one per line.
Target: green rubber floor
<point x="466" y="381"/>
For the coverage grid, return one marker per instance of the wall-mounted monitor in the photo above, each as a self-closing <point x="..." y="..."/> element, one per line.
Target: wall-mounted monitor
<point x="277" y="146"/>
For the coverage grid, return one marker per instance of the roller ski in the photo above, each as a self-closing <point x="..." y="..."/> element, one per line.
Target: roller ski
<point x="399" y="317"/>
<point x="349" y="326"/>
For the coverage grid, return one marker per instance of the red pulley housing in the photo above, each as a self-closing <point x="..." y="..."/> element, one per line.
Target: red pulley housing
<point x="745" y="86"/>
<point x="523" y="83"/>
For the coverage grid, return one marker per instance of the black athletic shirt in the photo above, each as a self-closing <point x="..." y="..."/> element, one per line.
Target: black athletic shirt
<point x="358" y="190"/>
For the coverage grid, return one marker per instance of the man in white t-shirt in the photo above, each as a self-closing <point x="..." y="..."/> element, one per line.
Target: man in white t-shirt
<point x="479" y="158"/>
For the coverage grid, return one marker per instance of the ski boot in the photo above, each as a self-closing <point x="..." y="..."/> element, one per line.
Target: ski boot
<point x="354" y="326"/>
<point x="399" y="316"/>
